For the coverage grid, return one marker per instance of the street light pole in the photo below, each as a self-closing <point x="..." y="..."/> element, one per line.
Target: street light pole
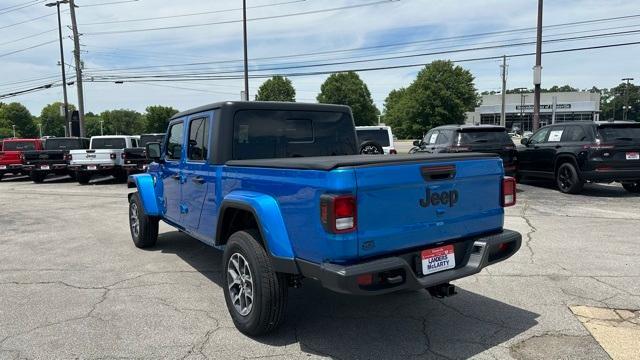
<point x="76" y="54"/>
<point x="246" y="59"/>
<point x="14" y="131"/>
<point x="101" y="132"/>
<point x="625" y="109"/>
<point x="62" y="65"/>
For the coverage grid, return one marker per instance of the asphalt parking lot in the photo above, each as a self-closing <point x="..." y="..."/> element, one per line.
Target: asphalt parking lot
<point x="72" y="285"/>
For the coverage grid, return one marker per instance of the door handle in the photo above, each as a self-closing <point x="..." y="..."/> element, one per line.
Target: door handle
<point x="198" y="180"/>
<point x="176" y="176"/>
<point x="558" y="146"/>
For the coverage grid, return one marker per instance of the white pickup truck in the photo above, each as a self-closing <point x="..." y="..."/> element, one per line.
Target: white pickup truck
<point x="104" y="157"/>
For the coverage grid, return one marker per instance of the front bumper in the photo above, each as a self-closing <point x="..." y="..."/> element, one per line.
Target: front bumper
<point x="621" y="175"/>
<point x="480" y="252"/>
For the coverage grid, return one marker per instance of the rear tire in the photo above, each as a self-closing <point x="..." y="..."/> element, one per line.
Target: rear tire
<point x="37" y="178"/>
<point x="568" y="179"/>
<point x="144" y="228"/>
<point x="83" y="178"/>
<point x="255" y="294"/>
<point x="632" y="187"/>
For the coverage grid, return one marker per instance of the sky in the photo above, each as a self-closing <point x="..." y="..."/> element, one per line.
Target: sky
<point x="205" y="38"/>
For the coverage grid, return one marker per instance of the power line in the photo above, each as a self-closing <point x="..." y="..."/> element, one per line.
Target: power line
<point x="28" y="37"/>
<point x="189" y="14"/>
<point x="20" y="6"/>
<point x="237" y="21"/>
<point x="398" y="57"/>
<point x="458" y="37"/>
<point x="108" y="3"/>
<point x="26" y="21"/>
<point x="28" y="48"/>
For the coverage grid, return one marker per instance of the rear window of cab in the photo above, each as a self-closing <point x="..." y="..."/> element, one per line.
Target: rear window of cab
<point x="19" y="145"/>
<point x="620" y="132"/>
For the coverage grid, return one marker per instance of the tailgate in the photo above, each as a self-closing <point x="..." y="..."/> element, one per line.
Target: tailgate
<point x="10" y="157"/>
<point x="420" y="204"/>
<point x="80" y="157"/>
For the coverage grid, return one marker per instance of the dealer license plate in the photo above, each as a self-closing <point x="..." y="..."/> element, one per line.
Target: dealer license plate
<point x="3" y="167"/>
<point x="633" y="156"/>
<point x="438" y="259"/>
<point x="91" y="167"/>
<point x="44" y="167"/>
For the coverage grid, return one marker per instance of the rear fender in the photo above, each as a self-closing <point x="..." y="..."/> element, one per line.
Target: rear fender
<point x="145" y="185"/>
<point x="266" y="212"/>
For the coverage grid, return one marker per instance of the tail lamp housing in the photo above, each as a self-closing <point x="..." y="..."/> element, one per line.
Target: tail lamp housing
<point x="113" y="156"/>
<point x="338" y="213"/>
<point x="508" y="196"/>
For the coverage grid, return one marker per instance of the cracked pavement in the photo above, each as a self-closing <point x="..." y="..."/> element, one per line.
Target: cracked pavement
<point x="72" y="285"/>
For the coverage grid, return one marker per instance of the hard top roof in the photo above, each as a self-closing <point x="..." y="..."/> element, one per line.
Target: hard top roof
<point x="262" y="105"/>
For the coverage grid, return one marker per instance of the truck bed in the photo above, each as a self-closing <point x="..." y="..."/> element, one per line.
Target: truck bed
<point x="328" y="163"/>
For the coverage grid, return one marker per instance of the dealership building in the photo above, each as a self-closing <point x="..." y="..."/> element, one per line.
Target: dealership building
<point x="554" y="108"/>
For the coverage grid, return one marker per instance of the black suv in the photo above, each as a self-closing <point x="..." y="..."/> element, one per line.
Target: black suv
<point x="53" y="159"/>
<point x="467" y="138"/>
<point x="573" y="153"/>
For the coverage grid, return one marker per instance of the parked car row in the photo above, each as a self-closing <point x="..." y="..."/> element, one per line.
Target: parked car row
<point x="571" y="153"/>
<point x="80" y="158"/>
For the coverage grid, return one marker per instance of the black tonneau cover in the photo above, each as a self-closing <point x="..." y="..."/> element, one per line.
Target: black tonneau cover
<point x="333" y="162"/>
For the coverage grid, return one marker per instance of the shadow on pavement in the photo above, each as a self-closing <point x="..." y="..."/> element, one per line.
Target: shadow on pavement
<point x="394" y="326"/>
<point x="591" y="190"/>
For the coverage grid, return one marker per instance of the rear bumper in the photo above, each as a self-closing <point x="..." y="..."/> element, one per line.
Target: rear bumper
<point x="611" y="175"/>
<point x="484" y="251"/>
<point x="51" y="167"/>
<point x="98" y="168"/>
<point x="131" y="168"/>
<point x="10" y="168"/>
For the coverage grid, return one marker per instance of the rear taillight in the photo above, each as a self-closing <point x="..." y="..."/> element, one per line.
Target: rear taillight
<point x="123" y="156"/>
<point x="598" y="146"/>
<point x="68" y="157"/>
<point x="508" y="191"/>
<point x="113" y="156"/>
<point x="393" y="152"/>
<point x="338" y="213"/>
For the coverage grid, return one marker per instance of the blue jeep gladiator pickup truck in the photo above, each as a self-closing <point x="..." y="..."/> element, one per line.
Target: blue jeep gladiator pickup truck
<point x="282" y="189"/>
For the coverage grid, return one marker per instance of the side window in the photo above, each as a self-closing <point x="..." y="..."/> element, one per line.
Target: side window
<point x="574" y="134"/>
<point x="134" y="142"/>
<point x="540" y="136"/>
<point x="198" y="138"/>
<point x="444" y="137"/>
<point x="555" y="135"/>
<point x="174" y="141"/>
<point x="432" y="137"/>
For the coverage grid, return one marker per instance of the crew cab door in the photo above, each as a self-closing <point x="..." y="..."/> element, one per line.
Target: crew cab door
<point x="171" y="173"/>
<point x="196" y="169"/>
<point x="545" y="161"/>
<point x="527" y="157"/>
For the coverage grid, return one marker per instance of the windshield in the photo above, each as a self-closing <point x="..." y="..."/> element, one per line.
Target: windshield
<point x="380" y="136"/>
<point x="145" y="139"/>
<point x="62" y="144"/>
<point x="620" y="132"/>
<point x="485" y="136"/>
<point x="19" y="146"/>
<point x="108" y="143"/>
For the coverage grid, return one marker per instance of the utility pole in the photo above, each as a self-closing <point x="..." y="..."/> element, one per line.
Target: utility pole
<point x="14" y="131"/>
<point x="537" y="71"/>
<point x="62" y="64"/>
<point x="503" y="119"/>
<point x="76" y="53"/>
<point x="101" y="132"/>
<point x="40" y="128"/>
<point x="625" y="109"/>
<point x="246" y="58"/>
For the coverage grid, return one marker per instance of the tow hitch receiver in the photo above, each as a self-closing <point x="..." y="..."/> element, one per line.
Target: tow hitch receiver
<point x="442" y="290"/>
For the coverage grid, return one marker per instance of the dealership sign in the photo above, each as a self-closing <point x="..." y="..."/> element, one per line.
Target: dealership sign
<point x="545" y="107"/>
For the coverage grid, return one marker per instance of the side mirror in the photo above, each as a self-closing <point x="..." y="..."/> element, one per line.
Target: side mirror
<point x="524" y="141"/>
<point x="153" y="151"/>
<point x="417" y="142"/>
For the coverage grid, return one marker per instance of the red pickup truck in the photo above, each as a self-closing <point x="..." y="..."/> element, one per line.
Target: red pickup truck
<point x="11" y="154"/>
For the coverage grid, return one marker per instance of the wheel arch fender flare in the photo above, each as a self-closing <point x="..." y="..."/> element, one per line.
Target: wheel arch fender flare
<point x="145" y="184"/>
<point x="562" y="158"/>
<point x="268" y="217"/>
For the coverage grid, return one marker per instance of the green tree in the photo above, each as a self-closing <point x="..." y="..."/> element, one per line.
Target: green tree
<point x="18" y="115"/>
<point x="51" y="120"/>
<point x="92" y="124"/>
<point x="613" y="101"/>
<point x="440" y="94"/>
<point x="277" y="88"/>
<point x="122" y="122"/>
<point x="348" y="89"/>
<point x="157" y="118"/>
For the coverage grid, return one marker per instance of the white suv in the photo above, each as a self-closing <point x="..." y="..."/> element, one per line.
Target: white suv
<point x="372" y="137"/>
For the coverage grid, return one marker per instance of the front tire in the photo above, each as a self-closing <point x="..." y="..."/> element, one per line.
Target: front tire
<point x="632" y="187"/>
<point x="255" y="294"/>
<point x="568" y="179"/>
<point x="144" y="228"/>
